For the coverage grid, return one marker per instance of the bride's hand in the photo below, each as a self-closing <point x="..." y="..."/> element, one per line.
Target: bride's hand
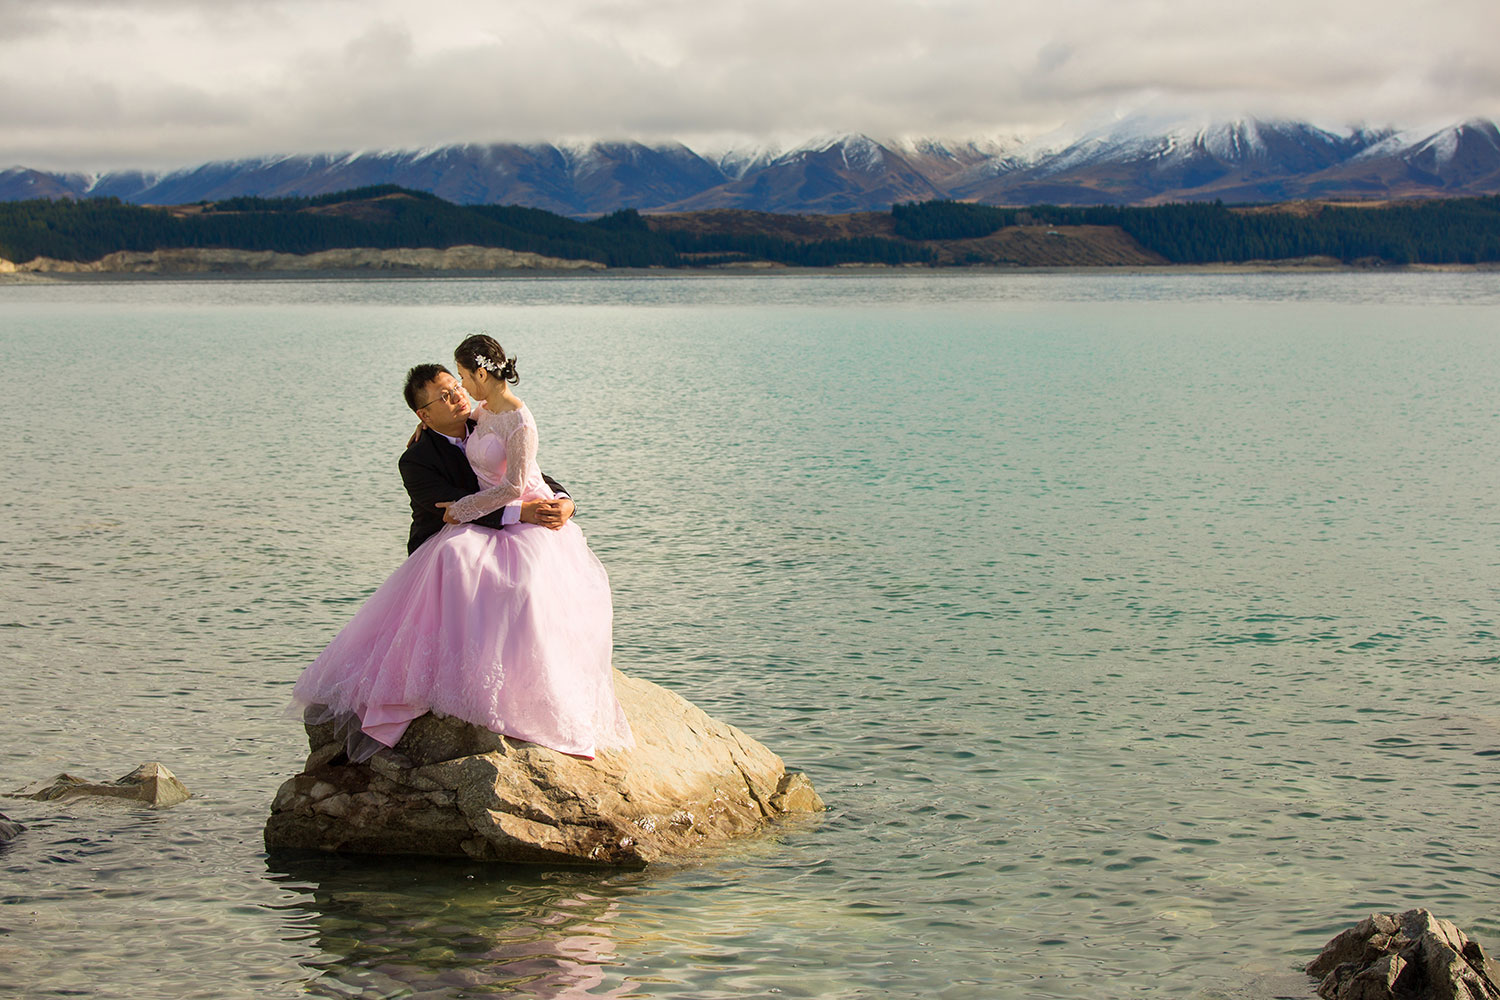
<point x="447" y="517"/>
<point x="550" y="513"/>
<point x="414" y="435"/>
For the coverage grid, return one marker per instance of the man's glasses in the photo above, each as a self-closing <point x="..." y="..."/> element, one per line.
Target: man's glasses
<point x="446" y="395"/>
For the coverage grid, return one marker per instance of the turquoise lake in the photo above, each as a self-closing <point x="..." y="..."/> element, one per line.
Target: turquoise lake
<point x="1140" y="631"/>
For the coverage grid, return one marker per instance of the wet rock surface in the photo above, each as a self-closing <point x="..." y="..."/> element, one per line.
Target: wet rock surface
<point x="1404" y="956"/>
<point x="151" y="784"/>
<point x="454" y="789"/>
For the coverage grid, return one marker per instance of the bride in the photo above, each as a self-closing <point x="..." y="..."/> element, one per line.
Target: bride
<point x="508" y="629"/>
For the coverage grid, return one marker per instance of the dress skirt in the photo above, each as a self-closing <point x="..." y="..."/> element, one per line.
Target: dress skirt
<point x="508" y="629"/>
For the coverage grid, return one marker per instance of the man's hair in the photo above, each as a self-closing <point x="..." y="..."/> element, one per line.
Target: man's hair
<point x="418" y="377"/>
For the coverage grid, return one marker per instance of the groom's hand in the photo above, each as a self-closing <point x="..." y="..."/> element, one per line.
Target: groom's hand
<point x="552" y="513"/>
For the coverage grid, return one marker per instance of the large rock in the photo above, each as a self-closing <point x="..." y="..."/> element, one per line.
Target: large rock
<point x="150" y="783"/>
<point x="451" y="788"/>
<point x="9" y="829"/>
<point x="1404" y="956"/>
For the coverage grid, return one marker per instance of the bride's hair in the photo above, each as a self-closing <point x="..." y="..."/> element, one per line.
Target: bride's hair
<point x="482" y="351"/>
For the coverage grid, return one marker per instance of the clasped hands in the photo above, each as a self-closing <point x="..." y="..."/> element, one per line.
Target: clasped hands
<point x="549" y="513"/>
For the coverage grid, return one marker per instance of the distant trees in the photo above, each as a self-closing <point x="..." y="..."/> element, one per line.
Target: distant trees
<point x="1461" y="230"/>
<point x="949" y="220"/>
<point x="386" y="217"/>
<point x="1449" y="231"/>
<point x="89" y="229"/>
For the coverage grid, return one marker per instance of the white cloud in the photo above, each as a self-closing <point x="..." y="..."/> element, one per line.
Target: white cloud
<point x="111" y="83"/>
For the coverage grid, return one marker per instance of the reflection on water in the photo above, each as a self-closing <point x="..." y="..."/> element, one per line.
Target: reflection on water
<point x="402" y="927"/>
<point x="426" y="929"/>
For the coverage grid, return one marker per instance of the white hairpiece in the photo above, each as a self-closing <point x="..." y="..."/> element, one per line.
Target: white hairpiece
<point x="487" y="363"/>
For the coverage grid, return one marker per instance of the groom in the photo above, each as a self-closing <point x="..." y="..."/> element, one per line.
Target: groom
<point x="434" y="468"/>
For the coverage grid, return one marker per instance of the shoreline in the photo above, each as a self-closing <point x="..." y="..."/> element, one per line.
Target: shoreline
<point x="20" y="277"/>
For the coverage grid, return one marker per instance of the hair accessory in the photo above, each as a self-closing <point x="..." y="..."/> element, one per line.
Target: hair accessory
<point x="486" y="363"/>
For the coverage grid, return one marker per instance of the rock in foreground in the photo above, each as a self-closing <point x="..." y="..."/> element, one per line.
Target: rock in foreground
<point x="9" y="829"/>
<point x="1404" y="956"/>
<point x="454" y="789"/>
<point x="150" y="783"/>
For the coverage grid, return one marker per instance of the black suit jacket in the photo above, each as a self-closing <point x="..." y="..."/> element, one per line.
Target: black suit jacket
<point x="434" y="469"/>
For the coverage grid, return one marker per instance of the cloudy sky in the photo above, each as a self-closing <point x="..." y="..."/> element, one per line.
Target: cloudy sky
<point x="99" y="84"/>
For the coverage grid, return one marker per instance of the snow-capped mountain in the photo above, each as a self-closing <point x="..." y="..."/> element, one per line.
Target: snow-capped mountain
<point x="605" y="176"/>
<point x="1138" y="159"/>
<point x="827" y="175"/>
<point x="577" y="179"/>
<point x="23" y="183"/>
<point x="1150" y="158"/>
<point x="1463" y="158"/>
<point x="739" y="160"/>
<point x="1463" y="152"/>
<point x="940" y="160"/>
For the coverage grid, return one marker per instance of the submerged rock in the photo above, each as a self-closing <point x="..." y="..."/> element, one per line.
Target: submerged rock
<point x="150" y="783"/>
<point x="9" y="829"/>
<point x="1404" y="956"/>
<point x="449" y="788"/>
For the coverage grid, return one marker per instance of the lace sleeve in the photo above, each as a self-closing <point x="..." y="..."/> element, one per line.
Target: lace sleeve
<point x="520" y="452"/>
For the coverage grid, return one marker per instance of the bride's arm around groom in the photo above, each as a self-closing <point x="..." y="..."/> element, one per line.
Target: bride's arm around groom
<point x="434" y="468"/>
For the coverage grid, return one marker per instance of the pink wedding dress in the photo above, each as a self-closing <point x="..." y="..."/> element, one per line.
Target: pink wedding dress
<point x="508" y="629"/>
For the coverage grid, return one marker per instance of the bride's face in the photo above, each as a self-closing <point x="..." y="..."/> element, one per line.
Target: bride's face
<point x="466" y="377"/>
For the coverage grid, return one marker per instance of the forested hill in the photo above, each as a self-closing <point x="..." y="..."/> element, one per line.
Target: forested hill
<point x="1450" y="231"/>
<point x="389" y="217"/>
<point x="935" y="233"/>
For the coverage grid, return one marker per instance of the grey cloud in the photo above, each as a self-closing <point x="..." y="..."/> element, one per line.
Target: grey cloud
<point x="241" y="77"/>
<point x="1467" y="73"/>
<point x="1051" y="56"/>
<point x="22" y="24"/>
<point x="95" y="104"/>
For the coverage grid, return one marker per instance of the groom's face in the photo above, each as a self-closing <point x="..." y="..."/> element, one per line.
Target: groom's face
<point x="447" y="407"/>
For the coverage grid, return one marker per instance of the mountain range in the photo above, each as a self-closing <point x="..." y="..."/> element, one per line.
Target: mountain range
<point x="1137" y="160"/>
